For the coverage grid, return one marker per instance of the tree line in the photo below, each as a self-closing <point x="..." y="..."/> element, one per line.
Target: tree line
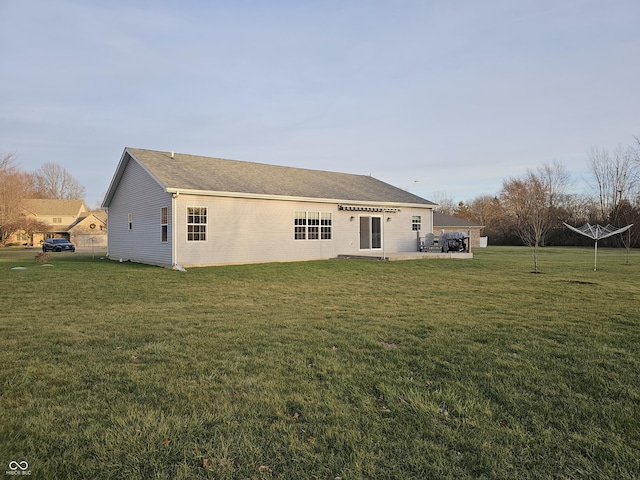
<point x="530" y="209"/>
<point x="17" y="186"/>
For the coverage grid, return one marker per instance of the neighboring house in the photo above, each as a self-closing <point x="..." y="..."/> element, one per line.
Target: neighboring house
<point x="447" y="223"/>
<point x="56" y="216"/>
<point x="184" y="210"/>
<point x="90" y="230"/>
<point x="68" y="219"/>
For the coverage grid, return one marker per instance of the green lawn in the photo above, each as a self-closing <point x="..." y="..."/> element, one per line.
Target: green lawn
<point x="334" y="369"/>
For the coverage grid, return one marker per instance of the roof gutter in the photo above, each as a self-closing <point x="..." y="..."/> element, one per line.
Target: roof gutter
<point x="264" y="196"/>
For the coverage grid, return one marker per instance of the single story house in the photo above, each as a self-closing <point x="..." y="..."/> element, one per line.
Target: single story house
<point x="443" y="223"/>
<point x="179" y="210"/>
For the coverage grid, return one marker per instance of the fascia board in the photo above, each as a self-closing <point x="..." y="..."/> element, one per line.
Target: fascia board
<point x="258" y="196"/>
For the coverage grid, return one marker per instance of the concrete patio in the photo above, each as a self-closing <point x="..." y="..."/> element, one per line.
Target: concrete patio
<point x="396" y="256"/>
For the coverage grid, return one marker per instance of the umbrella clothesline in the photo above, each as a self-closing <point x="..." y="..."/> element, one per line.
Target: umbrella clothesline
<point x="597" y="232"/>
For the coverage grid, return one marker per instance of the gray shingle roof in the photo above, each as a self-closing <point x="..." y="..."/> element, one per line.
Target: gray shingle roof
<point x="54" y="206"/>
<point x="442" y="220"/>
<point x="206" y="174"/>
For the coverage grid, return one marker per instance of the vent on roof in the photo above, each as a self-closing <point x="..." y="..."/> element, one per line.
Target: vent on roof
<point x="172" y="154"/>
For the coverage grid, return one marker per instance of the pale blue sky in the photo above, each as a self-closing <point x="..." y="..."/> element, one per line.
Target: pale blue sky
<point x="433" y="96"/>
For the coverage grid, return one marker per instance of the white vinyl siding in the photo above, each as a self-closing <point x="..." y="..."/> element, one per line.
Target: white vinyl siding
<point x="196" y="224"/>
<point x="138" y="200"/>
<point x="242" y="230"/>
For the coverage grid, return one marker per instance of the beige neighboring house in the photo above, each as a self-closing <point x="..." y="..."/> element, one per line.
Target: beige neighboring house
<point x="447" y="223"/>
<point x="68" y="219"/>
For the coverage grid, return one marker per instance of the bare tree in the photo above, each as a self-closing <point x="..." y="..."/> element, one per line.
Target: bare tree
<point x="535" y="201"/>
<point x="54" y="181"/>
<point x="445" y="203"/>
<point x="615" y="175"/>
<point x="31" y="226"/>
<point x="484" y="210"/>
<point x="555" y="179"/>
<point x="581" y="208"/>
<point x="14" y="186"/>
<point x="7" y="162"/>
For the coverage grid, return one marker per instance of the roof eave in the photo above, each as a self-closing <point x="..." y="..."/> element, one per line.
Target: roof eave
<point x="262" y="196"/>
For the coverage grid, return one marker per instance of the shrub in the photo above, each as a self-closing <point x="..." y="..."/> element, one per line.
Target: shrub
<point x="42" y="257"/>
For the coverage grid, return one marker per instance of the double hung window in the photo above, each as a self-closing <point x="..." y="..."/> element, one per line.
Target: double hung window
<point x="196" y="224"/>
<point x="300" y="226"/>
<point x="164" y="224"/>
<point x="325" y="226"/>
<point x="312" y="225"/>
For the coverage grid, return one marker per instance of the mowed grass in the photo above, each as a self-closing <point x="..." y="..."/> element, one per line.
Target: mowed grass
<point x="346" y="369"/>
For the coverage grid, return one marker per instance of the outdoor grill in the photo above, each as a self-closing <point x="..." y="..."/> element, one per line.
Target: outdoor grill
<point x="453" y="242"/>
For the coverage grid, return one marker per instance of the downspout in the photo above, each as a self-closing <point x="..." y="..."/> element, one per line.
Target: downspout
<point x="384" y="220"/>
<point x="174" y="260"/>
<point x="107" y="212"/>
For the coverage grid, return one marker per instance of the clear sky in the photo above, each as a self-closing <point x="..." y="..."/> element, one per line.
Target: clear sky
<point x="434" y="96"/>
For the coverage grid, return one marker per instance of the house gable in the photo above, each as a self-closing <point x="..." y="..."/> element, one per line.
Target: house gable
<point x="135" y="215"/>
<point x="90" y="230"/>
<point x="96" y="222"/>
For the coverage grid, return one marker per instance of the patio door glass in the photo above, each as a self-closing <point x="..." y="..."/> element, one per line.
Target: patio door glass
<point x="376" y="232"/>
<point x="370" y="232"/>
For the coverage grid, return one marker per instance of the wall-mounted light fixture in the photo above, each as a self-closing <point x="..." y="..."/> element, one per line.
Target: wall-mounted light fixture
<point x="352" y="218"/>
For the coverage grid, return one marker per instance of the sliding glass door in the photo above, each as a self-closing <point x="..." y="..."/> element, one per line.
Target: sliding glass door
<point x="370" y="232"/>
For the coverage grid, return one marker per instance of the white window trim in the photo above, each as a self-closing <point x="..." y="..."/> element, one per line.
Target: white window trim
<point x="319" y="226"/>
<point x="206" y="225"/>
<point x="371" y="248"/>
<point x="164" y="224"/>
